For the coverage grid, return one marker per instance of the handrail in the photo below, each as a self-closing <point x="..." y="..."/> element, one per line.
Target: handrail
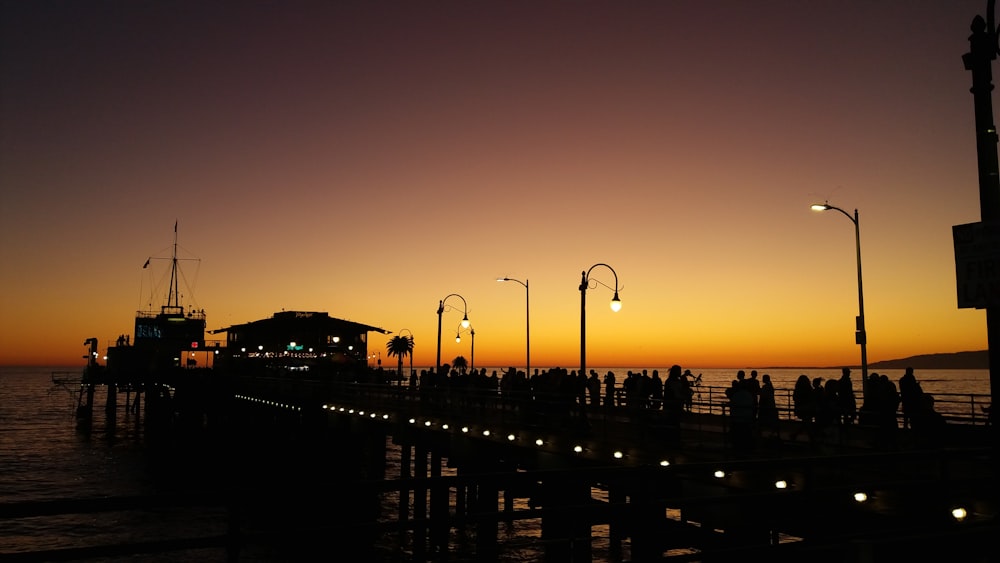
<point x="956" y="408"/>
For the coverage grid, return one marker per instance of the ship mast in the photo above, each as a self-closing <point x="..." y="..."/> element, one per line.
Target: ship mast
<point x="173" y="296"/>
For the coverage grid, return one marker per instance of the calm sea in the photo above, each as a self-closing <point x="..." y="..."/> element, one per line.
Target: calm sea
<point x="44" y="457"/>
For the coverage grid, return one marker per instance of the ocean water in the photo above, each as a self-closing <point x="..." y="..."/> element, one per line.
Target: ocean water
<point x="43" y="456"/>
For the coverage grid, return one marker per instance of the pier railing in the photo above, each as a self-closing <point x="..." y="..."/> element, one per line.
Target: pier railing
<point x="956" y="408"/>
<point x="706" y="421"/>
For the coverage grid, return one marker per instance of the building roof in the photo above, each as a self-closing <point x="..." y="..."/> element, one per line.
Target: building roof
<point x="319" y="319"/>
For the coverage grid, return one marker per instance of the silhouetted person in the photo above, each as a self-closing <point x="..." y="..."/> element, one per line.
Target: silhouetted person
<point x="673" y="401"/>
<point x="609" y="389"/>
<point x="879" y="409"/>
<point x="928" y="424"/>
<point x="688" y="383"/>
<point x="846" y="399"/>
<point x="804" y="405"/>
<point x="594" y="388"/>
<point x="822" y="415"/>
<point x="767" y="409"/>
<point x="630" y="389"/>
<point x="888" y="410"/>
<point x="655" y="391"/>
<point x="909" y="395"/>
<point x="829" y="415"/>
<point x="740" y="415"/>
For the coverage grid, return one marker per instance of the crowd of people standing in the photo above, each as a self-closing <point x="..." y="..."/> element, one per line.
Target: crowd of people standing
<point x="827" y="408"/>
<point x="824" y="408"/>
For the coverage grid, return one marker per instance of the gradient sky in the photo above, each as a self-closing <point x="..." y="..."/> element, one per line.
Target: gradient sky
<point x="370" y="158"/>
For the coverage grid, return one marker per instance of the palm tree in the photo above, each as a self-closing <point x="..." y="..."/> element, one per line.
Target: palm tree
<point x="460" y="363"/>
<point x="400" y="346"/>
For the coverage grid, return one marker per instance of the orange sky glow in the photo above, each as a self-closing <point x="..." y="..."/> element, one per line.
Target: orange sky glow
<point x="368" y="159"/>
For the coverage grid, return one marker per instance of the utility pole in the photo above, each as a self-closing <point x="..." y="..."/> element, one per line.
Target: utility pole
<point x="979" y="61"/>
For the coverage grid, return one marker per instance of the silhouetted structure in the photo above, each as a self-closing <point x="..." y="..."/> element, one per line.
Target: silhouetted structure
<point x="296" y="343"/>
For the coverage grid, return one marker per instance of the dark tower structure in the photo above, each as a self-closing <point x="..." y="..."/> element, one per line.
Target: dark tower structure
<point x="983" y="49"/>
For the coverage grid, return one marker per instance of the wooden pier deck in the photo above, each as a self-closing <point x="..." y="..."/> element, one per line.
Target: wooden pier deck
<point x="671" y="488"/>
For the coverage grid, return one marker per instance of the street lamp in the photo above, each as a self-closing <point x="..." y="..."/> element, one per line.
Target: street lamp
<point x="527" y="324"/>
<point x="465" y="324"/>
<point x="472" y="355"/>
<point x="860" y="335"/>
<point x="616" y="305"/>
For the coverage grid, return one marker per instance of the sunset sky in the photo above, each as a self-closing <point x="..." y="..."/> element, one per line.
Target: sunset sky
<point x="368" y="159"/>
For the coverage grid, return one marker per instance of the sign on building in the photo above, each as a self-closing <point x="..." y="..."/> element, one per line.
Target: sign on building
<point x="977" y="264"/>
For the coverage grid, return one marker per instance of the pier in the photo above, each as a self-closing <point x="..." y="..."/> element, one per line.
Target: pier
<point x="307" y="465"/>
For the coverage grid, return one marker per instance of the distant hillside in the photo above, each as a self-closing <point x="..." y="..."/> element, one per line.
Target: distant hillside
<point x="957" y="360"/>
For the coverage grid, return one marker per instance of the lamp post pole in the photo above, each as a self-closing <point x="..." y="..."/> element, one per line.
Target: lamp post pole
<point x="616" y="305"/>
<point x="527" y="324"/>
<point x="458" y="338"/>
<point x="861" y="336"/>
<point x="983" y="49"/>
<point x="440" y="311"/>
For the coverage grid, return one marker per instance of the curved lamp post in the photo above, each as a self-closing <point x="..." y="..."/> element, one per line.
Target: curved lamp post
<point x="527" y="324"/>
<point x="465" y="324"/>
<point x="860" y="336"/>
<point x="616" y="305"/>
